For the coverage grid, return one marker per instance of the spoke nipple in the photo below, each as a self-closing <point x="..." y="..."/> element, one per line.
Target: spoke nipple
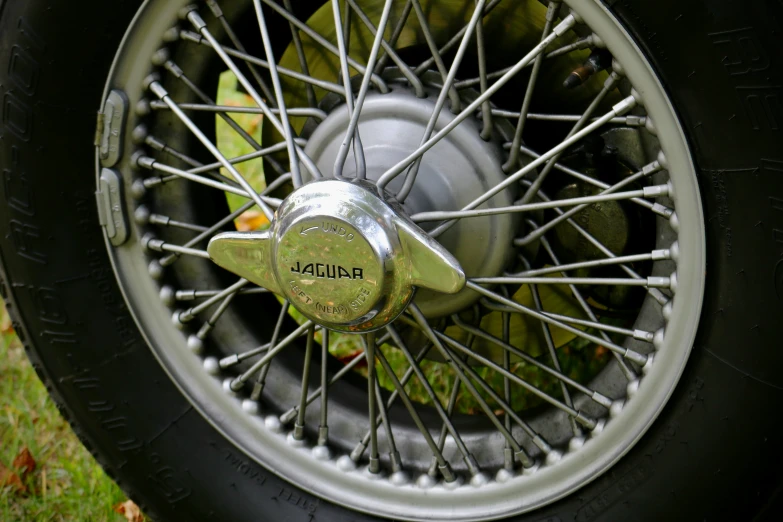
<point x="399" y="478"/>
<point x="674" y="222"/>
<point x="596" y="41"/>
<point x="176" y="320"/>
<point x="658" y="338"/>
<point x="553" y="458"/>
<point x="322" y="452"/>
<point x="323" y="435"/>
<point x="211" y="366"/>
<point x="479" y="479"/>
<point x="503" y="475"/>
<point x="298" y="433"/>
<point x="650" y="126"/>
<point x="667" y="311"/>
<point x="195" y="344"/>
<point x="171" y="34"/>
<point x="425" y="481"/>
<point x="577" y="17"/>
<point x="166" y="295"/>
<point x="138" y="190"/>
<point x="250" y="407"/>
<point x="150" y="79"/>
<point x="524" y="459"/>
<point x="160" y="56"/>
<point x="345" y="463"/>
<point x="143" y="107"/>
<point x="648" y="366"/>
<point x="585" y="421"/>
<point x="673" y="282"/>
<point x="616" y="408"/>
<point x="375" y="466"/>
<point x="617" y="67"/>
<point x="272" y="423"/>
<point x="396" y="461"/>
<point x="235" y="384"/>
<point x="599" y="427"/>
<point x="576" y="443"/>
<point x="139" y="134"/>
<point x="154" y="269"/>
<point x="141" y="215"/>
<point x="631" y="388"/>
<point x="185" y="11"/>
<point x="228" y="387"/>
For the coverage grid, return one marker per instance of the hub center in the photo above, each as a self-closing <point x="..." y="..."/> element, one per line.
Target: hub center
<point x="341" y="255"/>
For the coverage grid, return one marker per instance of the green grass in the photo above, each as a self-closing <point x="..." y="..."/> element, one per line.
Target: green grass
<point x="67" y="484"/>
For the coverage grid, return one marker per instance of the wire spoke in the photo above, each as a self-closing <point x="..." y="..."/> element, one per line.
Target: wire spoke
<point x="377" y="81"/>
<point x="443" y="466"/>
<point x="388" y="48"/>
<point x="581" y="202"/>
<point x="410" y="177"/>
<point x="352" y="133"/>
<point x="288" y="132"/>
<point x="397" y="169"/>
<point x="426" y="64"/>
<point x="305" y="112"/>
<point x="513" y="159"/>
<point x="218" y="12"/>
<point x="625" y="105"/>
<point x="395" y="36"/>
<point x="627" y="353"/>
<point x="656" y="293"/>
<point x="201" y="26"/>
<point x="253" y="60"/>
<point x="308" y="359"/>
<point x="433" y="46"/>
<point x="609" y="86"/>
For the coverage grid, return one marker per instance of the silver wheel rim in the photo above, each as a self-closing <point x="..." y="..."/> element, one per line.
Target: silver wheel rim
<point x="336" y="477"/>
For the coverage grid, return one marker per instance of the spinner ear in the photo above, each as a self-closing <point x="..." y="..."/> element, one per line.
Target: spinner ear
<point x="247" y="254"/>
<point x="431" y="265"/>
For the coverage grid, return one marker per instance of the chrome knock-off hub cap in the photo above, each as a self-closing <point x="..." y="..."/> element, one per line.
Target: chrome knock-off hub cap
<point x="341" y="255"/>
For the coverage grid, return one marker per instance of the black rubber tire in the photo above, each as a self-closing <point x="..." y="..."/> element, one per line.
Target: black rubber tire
<point x="715" y="451"/>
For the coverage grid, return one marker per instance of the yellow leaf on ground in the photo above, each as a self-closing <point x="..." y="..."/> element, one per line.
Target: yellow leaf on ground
<point x="251" y="220"/>
<point x="130" y="511"/>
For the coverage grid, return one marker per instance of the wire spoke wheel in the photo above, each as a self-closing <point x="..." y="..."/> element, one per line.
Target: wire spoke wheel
<point x="529" y="296"/>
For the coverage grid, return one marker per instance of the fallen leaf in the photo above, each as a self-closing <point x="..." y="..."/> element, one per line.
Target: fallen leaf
<point x="347" y="358"/>
<point x="24" y="462"/>
<point x="130" y="511"/>
<point x="9" y="478"/>
<point x="251" y="220"/>
<point x="6" y="326"/>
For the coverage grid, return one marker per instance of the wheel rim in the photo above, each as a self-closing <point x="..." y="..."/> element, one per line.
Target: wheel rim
<point x="547" y="468"/>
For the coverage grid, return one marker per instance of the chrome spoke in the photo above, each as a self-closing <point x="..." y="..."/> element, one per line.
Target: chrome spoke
<point x="258" y="386"/>
<point x="388" y="48"/>
<point x="397" y="169"/>
<point x="376" y="80"/>
<point x="352" y="133"/>
<point x="426" y="64"/>
<point x="201" y="26"/>
<point x="609" y="86"/>
<point x="513" y="158"/>
<point x="433" y="46"/>
<point x="369" y="349"/>
<point x="253" y="60"/>
<point x="627" y="353"/>
<point x="625" y="105"/>
<point x="649" y="282"/>
<point x="288" y="132"/>
<point x="443" y="465"/>
<point x="305" y="112"/>
<point x="395" y="36"/>
<point x="218" y="12"/>
<point x="584" y="201"/>
<point x="410" y="177"/>
<point x="297" y="41"/>
<point x="299" y="427"/>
